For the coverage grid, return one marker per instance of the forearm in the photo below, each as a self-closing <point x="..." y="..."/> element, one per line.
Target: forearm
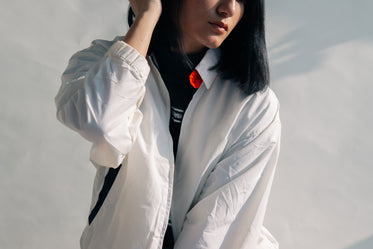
<point x="140" y="33"/>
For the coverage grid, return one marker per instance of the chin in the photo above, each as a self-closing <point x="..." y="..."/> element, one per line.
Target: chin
<point x="214" y="44"/>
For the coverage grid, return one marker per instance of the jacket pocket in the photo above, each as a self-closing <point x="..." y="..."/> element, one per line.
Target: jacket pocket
<point x="108" y="183"/>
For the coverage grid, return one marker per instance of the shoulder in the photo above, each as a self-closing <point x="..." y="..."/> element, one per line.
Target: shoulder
<point x="104" y="45"/>
<point x="248" y="113"/>
<point x="259" y="117"/>
<point x="97" y="47"/>
<point x="264" y="103"/>
<point x="85" y="59"/>
<point x="261" y="109"/>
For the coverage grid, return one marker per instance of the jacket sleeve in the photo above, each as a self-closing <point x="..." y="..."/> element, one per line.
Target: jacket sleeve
<point x="229" y="212"/>
<point x="102" y="89"/>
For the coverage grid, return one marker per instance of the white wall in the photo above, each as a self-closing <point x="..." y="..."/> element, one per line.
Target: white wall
<point x="321" y="55"/>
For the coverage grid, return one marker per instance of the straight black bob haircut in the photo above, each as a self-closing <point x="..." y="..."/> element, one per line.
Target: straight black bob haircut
<point x="243" y="53"/>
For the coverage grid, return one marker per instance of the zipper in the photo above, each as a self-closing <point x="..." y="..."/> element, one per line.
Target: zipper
<point x="157" y="76"/>
<point x="190" y="108"/>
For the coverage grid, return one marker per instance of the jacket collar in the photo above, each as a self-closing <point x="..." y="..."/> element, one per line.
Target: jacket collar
<point x="209" y="60"/>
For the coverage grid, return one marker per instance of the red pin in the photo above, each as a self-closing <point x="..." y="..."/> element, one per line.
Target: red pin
<point x="195" y="79"/>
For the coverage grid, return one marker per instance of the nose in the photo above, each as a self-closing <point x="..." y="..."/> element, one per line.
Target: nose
<point x="226" y="8"/>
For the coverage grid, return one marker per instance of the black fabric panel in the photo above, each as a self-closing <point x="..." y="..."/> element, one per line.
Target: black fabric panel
<point x="108" y="182"/>
<point x="168" y="241"/>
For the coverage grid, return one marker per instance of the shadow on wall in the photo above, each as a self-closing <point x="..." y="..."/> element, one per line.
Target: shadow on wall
<point x="320" y="25"/>
<point x="364" y="244"/>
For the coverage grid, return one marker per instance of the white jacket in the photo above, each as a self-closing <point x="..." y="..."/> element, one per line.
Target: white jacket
<point x="216" y="191"/>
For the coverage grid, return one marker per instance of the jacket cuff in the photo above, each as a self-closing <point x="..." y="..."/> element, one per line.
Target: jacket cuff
<point x="131" y="57"/>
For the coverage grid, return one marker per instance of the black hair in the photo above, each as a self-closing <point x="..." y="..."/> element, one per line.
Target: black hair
<point x="243" y="53"/>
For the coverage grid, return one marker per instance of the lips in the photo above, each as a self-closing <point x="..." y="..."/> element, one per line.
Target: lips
<point x="220" y="25"/>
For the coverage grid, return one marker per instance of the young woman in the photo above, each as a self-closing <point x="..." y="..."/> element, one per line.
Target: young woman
<point x="185" y="132"/>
